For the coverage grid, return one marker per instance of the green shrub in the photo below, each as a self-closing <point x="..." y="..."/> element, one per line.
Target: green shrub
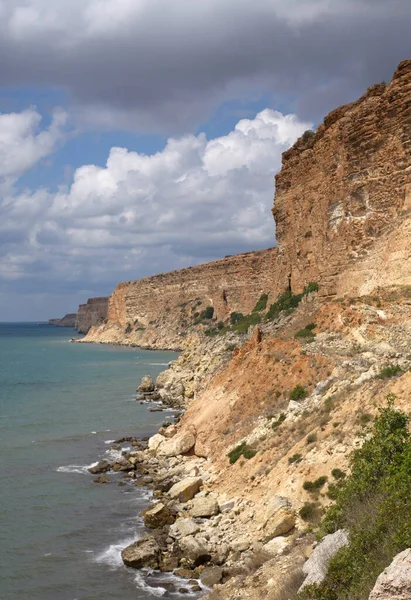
<point x="295" y="458"/>
<point x="236" y="317"/>
<point x="242" y="450"/>
<point x="315" y="486"/>
<point x="207" y="313"/>
<point x="298" y="393"/>
<point x="390" y="371"/>
<point x="312" y="438"/>
<point x="374" y="504"/>
<point x="309" y="511"/>
<point x="261" y="303"/>
<point x="287" y="301"/>
<point x="311" y="287"/>
<point x="338" y="474"/>
<point x="220" y="325"/>
<point x="247" y="321"/>
<point x="307" y="332"/>
<point x="278" y="422"/>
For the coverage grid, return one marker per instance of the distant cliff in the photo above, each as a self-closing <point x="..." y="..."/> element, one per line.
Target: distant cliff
<point x="341" y="206"/>
<point x="67" y="321"/>
<point x="94" y="312"/>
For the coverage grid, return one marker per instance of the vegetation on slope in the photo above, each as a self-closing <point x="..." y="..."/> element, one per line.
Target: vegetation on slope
<point x="374" y="505"/>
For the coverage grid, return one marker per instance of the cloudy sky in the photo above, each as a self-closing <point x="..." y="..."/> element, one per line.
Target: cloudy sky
<point x="139" y="136"/>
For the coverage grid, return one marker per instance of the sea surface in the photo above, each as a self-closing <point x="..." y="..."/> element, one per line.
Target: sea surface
<point x="60" y="405"/>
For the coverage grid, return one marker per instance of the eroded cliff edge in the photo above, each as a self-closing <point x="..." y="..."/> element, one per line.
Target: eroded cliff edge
<point x="341" y="209"/>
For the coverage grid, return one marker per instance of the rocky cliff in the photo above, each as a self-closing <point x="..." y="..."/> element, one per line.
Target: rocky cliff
<point x="93" y="313"/>
<point x="344" y="188"/>
<point x="342" y="202"/>
<point x="67" y="321"/>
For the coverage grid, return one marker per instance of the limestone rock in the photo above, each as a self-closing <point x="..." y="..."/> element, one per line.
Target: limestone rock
<point x="179" y="444"/>
<point x="280" y="518"/>
<point x="211" y="576"/>
<point x="204" y="507"/>
<point x="240" y="545"/>
<point x="157" y="516"/>
<point x="186" y="489"/>
<point x="155" y="441"/>
<point x="102" y="467"/>
<point x="276" y="546"/>
<point x="394" y="583"/>
<point x="195" y="549"/>
<point x="183" y="527"/>
<point x="146" y="385"/>
<point x="143" y="553"/>
<point x="316" y="566"/>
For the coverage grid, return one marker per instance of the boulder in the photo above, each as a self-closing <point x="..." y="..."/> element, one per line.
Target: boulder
<point x="185" y="489"/>
<point x="211" y="576"/>
<point x="240" y="545"/>
<point x="157" y="516"/>
<point x="394" y="583"/>
<point x="279" y="518"/>
<point x="143" y="553"/>
<point x="155" y="441"/>
<point x="179" y="444"/>
<point x="101" y="479"/>
<point x="123" y="465"/>
<point x="204" y="507"/>
<point x="146" y="385"/>
<point x="315" y="568"/>
<point x="102" y="467"/>
<point x="183" y="527"/>
<point x="276" y="546"/>
<point x="195" y="550"/>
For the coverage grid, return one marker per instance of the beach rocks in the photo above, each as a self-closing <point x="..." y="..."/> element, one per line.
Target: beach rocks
<point x="102" y="467"/>
<point x="101" y="479"/>
<point x="394" y="583"/>
<point x="280" y="518"/>
<point x="183" y="527"/>
<point x="146" y="385"/>
<point x="143" y="553"/>
<point x="317" y="565"/>
<point x="155" y="441"/>
<point x="179" y="444"/>
<point x="195" y="550"/>
<point x="186" y="489"/>
<point x="157" y="516"/>
<point x="210" y="576"/>
<point x="204" y="507"/>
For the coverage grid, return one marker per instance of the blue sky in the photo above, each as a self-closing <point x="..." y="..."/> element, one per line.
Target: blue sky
<point x="138" y="137"/>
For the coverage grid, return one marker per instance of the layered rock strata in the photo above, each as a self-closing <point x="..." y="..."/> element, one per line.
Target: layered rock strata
<point x="68" y="320"/>
<point x="93" y="313"/>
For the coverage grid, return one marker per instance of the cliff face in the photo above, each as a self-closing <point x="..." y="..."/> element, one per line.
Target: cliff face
<point x="157" y="311"/>
<point x="342" y="206"/>
<point x="91" y="314"/>
<point x="67" y="321"/>
<point x="342" y="189"/>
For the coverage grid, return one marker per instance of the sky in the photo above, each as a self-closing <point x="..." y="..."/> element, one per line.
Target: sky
<point x="141" y="136"/>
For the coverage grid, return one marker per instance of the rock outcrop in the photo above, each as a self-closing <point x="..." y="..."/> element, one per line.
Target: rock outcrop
<point x="394" y="583"/>
<point x="91" y="314"/>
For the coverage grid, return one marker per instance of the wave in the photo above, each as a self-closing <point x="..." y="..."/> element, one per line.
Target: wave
<point x="76" y="468"/>
<point x="111" y="556"/>
<point x="143" y="585"/>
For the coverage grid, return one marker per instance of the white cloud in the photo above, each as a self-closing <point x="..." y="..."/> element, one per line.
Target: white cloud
<point x="193" y="201"/>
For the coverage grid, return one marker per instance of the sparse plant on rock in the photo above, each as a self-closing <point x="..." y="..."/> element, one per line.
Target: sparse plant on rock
<point x="298" y="393"/>
<point x="390" y="371"/>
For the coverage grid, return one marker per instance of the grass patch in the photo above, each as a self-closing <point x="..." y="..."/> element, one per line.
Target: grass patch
<point x="261" y="303"/>
<point x="298" y="393"/>
<point x="374" y="504"/>
<point x="306" y="333"/>
<point x="390" y="371"/>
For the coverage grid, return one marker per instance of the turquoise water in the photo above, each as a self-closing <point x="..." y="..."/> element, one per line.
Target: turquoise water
<point x="60" y="404"/>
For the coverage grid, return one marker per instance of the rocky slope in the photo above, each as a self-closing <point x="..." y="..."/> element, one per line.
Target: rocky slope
<point x="342" y="206"/>
<point x="91" y="314"/>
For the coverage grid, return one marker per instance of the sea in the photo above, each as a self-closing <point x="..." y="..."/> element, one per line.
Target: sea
<point x="61" y="406"/>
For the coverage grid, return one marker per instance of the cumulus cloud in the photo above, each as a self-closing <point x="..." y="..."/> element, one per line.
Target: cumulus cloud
<point x="163" y="65"/>
<point x="195" y="200"/>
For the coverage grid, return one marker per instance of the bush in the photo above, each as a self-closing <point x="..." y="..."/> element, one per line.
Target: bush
<point x="311" y="287"/>
<point x="298" y="393"/>
<point x="374" y="504"/>
<point x="261" y="304"/>
<point x="390" y="371"/>
<point x="278" y="422"/>
<point x="241" y="450"/>
<point x="312" y="438"/>
<point x="315" y="486"/>
<point x="207" y="313"/>
<point x="309" y="512"/>
<point x="307" y="332"/>
<point x="338" y="474"/>
<point x="287" y="301"/>
<point x="295" y="458"/>
<point x="236" y="317"/>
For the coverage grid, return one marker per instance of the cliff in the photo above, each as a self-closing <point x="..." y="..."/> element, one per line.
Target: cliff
<point x="346" y="187"/>
<point x="91" y="314"/>
<point x="342" y="203"/>
<point x="67" y="321"/>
